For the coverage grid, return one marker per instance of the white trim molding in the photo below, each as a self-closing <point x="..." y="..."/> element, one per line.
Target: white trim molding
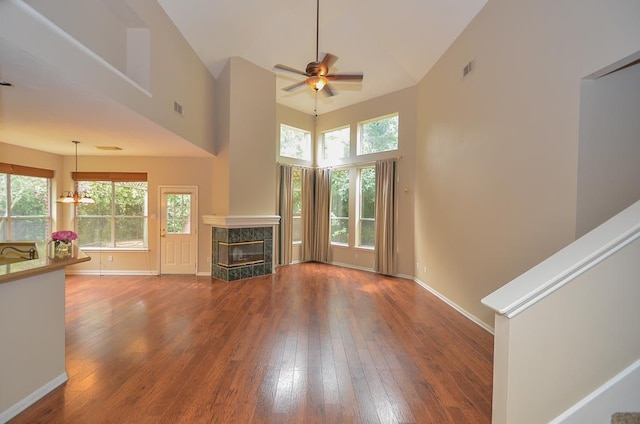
<point x="23" y="404"/>
<point x="241" y="221"/>
<point x="455" y="306"/>
<point x="591" y="397"/>
<point x="567" y="264"/>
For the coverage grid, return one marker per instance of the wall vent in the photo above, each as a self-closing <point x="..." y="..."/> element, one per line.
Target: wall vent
<point x="177" y="108"/>
<point x="468" y="68"/>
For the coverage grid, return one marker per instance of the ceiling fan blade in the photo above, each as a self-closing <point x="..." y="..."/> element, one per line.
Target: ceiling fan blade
<point x="345" y="77"/>
<point x="290" y="69"/>
<point x="294" y="86"/>
<point x="327" y="62"/>
<point x="327" y="91"/>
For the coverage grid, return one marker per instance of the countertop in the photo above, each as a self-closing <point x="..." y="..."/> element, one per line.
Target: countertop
<point x="44" y="263"/>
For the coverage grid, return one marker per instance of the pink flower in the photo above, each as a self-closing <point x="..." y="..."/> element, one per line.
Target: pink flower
<point x="64" y="235"/>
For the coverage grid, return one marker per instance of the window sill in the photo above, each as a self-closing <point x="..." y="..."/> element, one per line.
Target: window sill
<point x="113" y="249"/>
<point x="365" y="248"/>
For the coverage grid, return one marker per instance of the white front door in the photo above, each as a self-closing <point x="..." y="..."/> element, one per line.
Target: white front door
<point x="178" y="230"/>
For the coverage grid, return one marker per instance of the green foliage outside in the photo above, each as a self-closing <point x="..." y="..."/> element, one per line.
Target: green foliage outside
<point x="378" y="136"/>
<point x="340" y="206"/>
<point x="367" y="206"/>
<point x="296" y="232"/>
<point x="178" y="213"/>
<point x="25" y="201"/>
<point x="118" y="218"/>
<point x="335" y="144"/>
<point x="295" y="143"/>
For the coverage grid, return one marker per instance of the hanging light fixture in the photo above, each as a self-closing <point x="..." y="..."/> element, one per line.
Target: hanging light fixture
<point x="76" y="197"/>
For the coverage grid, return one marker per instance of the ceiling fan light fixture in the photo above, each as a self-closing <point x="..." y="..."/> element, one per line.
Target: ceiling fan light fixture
<point x="316" y="82"/>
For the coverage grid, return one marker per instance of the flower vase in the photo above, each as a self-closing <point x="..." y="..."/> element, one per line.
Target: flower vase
<point x="62" y="249"/>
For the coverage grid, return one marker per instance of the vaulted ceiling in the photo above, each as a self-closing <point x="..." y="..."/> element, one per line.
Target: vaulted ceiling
<point x="393" y="43"/>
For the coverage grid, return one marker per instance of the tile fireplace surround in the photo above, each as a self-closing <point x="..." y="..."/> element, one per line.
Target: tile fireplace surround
<point x="238" y="230"/>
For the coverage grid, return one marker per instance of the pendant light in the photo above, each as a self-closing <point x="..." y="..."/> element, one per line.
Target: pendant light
<point x="76" y="197"/>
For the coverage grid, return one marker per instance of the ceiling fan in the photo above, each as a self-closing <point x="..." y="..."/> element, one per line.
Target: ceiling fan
<point x="317" y="72"/>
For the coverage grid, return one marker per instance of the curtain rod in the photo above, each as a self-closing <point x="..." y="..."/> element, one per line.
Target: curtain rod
<point x="369" y="162"/>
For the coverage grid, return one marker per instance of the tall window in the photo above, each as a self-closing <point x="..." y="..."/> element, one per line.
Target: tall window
<point x="295" y="143"/>
<point x="117" y="219"/>
<point x="340" y="206"/>
<point x="297" y="205"/>
<point x="25" y="208"/>
<point x="336" y="143"/>
<point x="378" y="135"/>
<point x="366" y="207"/>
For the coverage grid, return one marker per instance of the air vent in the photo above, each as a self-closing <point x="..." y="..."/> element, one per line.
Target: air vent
<point x="468" y="68"/>
<point x="108" y="148"/>
<point x="177" y="108"/>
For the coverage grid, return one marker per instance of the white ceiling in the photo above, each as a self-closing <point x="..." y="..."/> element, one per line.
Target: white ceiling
<point x="393" y="43"/>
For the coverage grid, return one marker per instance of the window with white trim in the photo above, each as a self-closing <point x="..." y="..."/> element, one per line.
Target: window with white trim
<point x="295" y="143"/>
<point x="366" y="225"/>
<point x="296" y="194"/>
<point x="25" y="203"/>
<point x="119" y="217"/>
<point x="336" y="144"/>
<point x="340" y="206"/>
<point x="378" y="135"/>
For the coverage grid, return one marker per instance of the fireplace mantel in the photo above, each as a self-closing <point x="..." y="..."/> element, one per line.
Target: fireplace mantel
<point x="241" y="221"/>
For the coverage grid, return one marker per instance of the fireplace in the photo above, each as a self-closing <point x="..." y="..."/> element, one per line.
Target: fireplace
<point x="241" y="246"/>
<point x="240" y="254"/>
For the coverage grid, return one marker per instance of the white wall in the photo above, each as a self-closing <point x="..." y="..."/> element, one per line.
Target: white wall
<point x="609" y="149"/>
<point x="497" y="152"/>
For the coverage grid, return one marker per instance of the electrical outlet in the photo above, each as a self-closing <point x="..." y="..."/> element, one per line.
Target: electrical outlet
<point x="110" y="258"/>
<point x="424" y="268"/>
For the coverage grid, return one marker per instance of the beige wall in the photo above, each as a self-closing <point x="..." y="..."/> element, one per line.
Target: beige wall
<point x="161" y="171"/>
<point x="568" y="344"/>
<point x="91" y="31"/>
<point x="609" y="153"/>
<point x="221" y="160"/>
<point x="246" y="144"/>
<point x="177" y="72"/>
<point x="497" y="152"/>
<point x="252" y="143"/>
<point x="32" y="325"/>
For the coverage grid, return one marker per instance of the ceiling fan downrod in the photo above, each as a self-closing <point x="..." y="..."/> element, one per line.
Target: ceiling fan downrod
<point x="317" y="29"/>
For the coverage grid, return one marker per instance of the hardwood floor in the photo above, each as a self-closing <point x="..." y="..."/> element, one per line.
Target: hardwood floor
<point x="311" y="344"/>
